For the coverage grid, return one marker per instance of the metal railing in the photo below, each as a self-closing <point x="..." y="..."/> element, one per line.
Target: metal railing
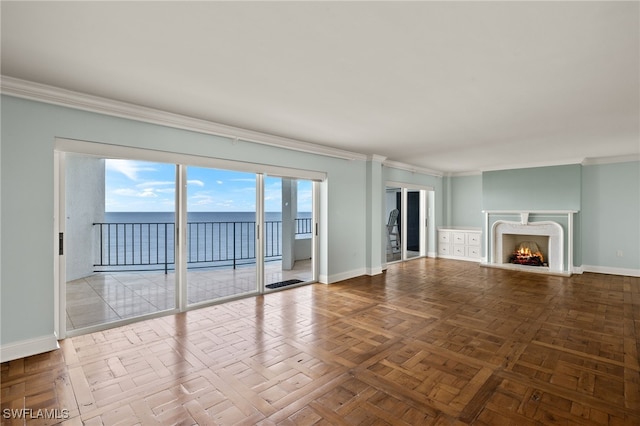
<point x="133" y="246"/>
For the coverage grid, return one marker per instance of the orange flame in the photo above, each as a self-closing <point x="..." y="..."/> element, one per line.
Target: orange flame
<point x="526" y="252"/>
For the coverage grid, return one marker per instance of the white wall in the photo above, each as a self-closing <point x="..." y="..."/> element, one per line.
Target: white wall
<point x="84" y="202"/>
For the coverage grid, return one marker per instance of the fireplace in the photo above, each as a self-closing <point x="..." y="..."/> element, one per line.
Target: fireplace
<point x="527" y="253"/>
<point x="537" y="246"/>
<point x="529" y="250"/>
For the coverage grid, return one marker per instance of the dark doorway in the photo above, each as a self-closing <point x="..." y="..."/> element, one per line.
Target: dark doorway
<point x="413" y="219"/>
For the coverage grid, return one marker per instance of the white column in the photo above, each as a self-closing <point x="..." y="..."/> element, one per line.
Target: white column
<point x="374" y="219"/>
<point x="289" y="212"/>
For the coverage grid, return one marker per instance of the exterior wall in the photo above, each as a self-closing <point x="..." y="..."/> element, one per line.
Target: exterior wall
<point x="84" y="206"/>
<point x="289" y="213"/>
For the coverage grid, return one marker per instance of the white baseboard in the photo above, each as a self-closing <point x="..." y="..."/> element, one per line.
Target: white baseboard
<point x="346" y="275"/>
<point x="328" y="279"/>
<point x="25" y="348"/>
<point x="467" y="259"/>
<point x="374" y="271"/>
<point x="611" y="271"/>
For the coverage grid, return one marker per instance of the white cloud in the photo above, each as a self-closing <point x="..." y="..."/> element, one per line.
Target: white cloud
<point x="130" y="192"/>
<point x="154" y="183"/>
<point x="125" y="192"/>
<point x="129" y="168"/>
<point x="195" y="182"/>
<point x="201" y="199"/>
<point x="166" y="190"/>
<point x="148" y="193"/>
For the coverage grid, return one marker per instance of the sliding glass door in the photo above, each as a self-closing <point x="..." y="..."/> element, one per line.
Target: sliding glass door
<point x="288" y="236"/>
<point x="117" y="238"/>
<point x="139" y="238"/>
<point x="220" y="234"/>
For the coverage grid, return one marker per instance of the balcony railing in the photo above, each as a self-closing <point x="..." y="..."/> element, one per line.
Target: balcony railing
<point x="149" y="246"/>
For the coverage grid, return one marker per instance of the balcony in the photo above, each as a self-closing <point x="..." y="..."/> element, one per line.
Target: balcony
<point x="134" y="268"/>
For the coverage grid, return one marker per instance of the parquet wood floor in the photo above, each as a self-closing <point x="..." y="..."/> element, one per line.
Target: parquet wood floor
<point x="428" y="342"/>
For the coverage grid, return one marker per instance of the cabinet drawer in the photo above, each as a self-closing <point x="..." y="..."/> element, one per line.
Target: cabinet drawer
<point x="444" y="237"/>
<point x="459" y="238"/>
<point x="473" y="251"/>
<point x="473" y="239"/>
<point x="459" y="251"/>
<point x="444" y="249"/>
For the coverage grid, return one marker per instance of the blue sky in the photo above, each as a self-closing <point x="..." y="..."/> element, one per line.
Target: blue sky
<point x="150" y="187"/>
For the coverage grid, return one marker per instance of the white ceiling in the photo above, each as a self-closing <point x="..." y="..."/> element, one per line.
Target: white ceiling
<point x="448" y="86"/>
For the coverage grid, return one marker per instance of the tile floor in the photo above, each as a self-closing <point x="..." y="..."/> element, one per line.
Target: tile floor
<point x="107" y="297"/>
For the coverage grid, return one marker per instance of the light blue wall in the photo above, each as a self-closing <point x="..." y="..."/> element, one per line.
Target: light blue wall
<point x="607" y="197"/>
<point x="466" y="201"/>
<point x="611" y="215"/>
<point x="539" y="188"/>
<point x="27" y="246"/>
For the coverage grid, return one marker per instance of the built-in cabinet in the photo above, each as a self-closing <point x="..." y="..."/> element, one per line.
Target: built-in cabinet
<point x="460" y="243"/>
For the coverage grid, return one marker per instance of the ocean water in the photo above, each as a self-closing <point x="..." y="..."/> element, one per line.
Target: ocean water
<point x="145" y="240"/>
<point x="162" y="217"/>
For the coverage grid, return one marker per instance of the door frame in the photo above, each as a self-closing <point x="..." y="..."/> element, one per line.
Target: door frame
<point x="427" y="231"/>
<point x="59" y="232"/>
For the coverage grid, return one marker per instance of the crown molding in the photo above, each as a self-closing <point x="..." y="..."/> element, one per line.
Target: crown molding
<point x="534" y="165"/>
<point x="578" y="161"/>
<point x="463" y="174"/>
<point x="376" y="158"/>
<point x="611" y="160"/>
<point x="53" y="95"/>
<point x="411" y="168"/>
<point x="24" y="89"/>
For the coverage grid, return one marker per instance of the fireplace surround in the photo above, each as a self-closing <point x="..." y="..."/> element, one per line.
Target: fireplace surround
<point x="543" y="228"/>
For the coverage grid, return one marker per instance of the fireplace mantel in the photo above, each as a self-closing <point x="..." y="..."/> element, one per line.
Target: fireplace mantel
<point x="519" y="222"/>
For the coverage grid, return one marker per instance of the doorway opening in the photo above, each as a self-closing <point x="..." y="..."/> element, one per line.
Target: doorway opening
<point x="408" y="221"/>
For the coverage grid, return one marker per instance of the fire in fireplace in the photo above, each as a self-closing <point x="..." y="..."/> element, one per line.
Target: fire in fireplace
<point x="527" y="253"/>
